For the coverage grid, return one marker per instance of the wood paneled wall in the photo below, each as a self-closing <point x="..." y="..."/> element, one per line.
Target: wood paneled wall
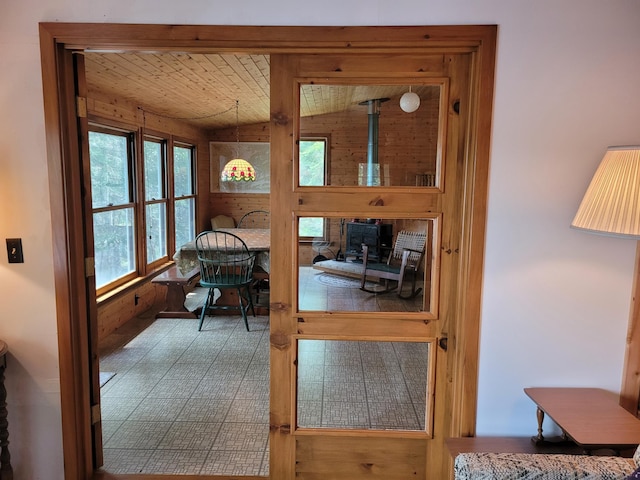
<point x="407" y="142"/>
<point x="119" y="309"/>
<point x="235" y="205"/>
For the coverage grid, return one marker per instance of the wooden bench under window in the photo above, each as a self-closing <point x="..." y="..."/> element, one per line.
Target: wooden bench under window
<point x="176" y="281"/>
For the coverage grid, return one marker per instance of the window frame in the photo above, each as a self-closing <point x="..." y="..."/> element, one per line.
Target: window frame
<point x="192" y="146"/>
<point x="131" y="204"/>
<point x="147" y="136"/>
<point x="136" y="137"/>
<point x="326" y="138"/>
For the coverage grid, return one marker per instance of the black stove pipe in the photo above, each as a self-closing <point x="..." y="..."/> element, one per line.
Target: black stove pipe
<point x="373" y="111"/>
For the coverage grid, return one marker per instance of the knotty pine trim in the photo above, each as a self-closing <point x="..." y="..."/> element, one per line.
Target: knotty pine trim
<point x="57" y="37"/>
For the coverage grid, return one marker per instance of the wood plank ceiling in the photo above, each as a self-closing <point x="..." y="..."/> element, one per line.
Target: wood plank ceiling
<point x="202" y="89"/>
<point x="199" y="89"/>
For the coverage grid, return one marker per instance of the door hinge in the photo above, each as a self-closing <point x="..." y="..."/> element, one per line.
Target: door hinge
<point x="96" y="416"/>
<point x="89" y="267"/>
<point x="81" y="107"/>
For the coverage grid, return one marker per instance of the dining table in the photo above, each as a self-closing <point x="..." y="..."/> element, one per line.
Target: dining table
<point x="256" y="239"/>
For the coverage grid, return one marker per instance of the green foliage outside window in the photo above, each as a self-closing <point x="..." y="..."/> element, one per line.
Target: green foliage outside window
<point x="153" y="170"/>
<point x="184" y="189"/>
<point x="115" y="206"/>
<point x="109" y="169"/>
<point x="185" y="211"/>
<point x="113" y="229"/>
<point x="182" y="171"/>
<point x="154" y="188"/>
<point x="312" y="163"/>
<point x="312" y="174"/>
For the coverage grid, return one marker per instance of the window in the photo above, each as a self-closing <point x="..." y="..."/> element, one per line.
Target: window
<point x="112" y="197"/>
<point x="135" y="203"/>
<point x="155" y="198"/>
<point x="313" y="173"/>
<point x="184" y="193"/>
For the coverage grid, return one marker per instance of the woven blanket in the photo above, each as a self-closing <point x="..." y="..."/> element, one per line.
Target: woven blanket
<point x="523" y="466"/>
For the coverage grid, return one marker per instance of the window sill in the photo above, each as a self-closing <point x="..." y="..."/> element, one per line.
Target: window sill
<point x="136" y="282"/>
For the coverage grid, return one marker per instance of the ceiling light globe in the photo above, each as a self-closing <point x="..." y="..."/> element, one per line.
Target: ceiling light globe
<point x="409" y="102"/>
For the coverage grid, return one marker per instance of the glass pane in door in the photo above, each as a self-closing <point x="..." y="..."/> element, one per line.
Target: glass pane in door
<point x="375" y="137"/>
<point x="379" y="385"/>
<point x="332" y="265"/>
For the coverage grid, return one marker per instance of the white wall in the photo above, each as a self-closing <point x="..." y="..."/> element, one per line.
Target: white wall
<point x="555" y="302"/>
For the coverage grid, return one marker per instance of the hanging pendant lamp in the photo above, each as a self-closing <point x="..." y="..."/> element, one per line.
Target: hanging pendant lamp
<point x="238" y="169"/>
<point x="409" y="101"/>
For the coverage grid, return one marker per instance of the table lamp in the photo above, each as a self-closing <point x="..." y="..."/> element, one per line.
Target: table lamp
<point x="611" y="206"/>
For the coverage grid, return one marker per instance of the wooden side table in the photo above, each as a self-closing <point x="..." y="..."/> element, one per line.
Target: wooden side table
<point x="590" y="417"/>
<point x="6" y="471"/>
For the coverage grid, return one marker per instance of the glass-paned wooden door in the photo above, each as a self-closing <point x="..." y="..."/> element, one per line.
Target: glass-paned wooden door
<point x="370" y="174"/>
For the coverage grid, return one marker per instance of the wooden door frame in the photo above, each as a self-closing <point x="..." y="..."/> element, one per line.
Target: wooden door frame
<point x="58" y="40"/>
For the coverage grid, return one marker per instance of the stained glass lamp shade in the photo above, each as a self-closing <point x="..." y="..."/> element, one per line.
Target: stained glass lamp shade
<point x="238" y="170"/>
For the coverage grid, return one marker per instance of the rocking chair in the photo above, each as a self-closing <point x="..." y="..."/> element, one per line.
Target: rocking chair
<point x="405" y="260"/>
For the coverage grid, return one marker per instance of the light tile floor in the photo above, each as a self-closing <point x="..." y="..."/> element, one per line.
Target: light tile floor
<point x="346" y="296"/>
<point x="358" y="384"/>
<point x="188" y="402"/>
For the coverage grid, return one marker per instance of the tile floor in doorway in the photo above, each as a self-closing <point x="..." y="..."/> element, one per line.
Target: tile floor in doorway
<point x="187" y="402"/>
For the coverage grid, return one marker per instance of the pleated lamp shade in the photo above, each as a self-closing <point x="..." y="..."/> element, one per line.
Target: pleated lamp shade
<point x="611" y="205"/>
